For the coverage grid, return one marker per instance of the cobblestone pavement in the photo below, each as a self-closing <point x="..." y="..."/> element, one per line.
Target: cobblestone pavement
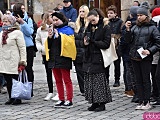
<point x="37" y="109"/>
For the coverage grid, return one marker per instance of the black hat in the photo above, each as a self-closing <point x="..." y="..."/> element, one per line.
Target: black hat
<point x="66" y="0"/>
<point x="143" y="9"/>
<point x="133" y="10"/>
<point x="59" y="15"/>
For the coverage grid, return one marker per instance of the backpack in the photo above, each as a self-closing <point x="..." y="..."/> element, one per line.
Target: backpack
<point x="35" y="27"/>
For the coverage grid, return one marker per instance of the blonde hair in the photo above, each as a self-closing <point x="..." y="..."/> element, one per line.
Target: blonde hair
<point x="1" y="15"/>
<point x="44" y="21"/>
<point x="78" y="23"/>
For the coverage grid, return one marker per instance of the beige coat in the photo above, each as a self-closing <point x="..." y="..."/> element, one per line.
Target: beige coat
<point x="13" y="53"/>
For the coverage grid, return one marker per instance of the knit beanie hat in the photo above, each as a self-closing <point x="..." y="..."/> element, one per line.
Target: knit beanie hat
<point x="143" y="9"/>
<point x="156" y="12"/>
<point x="10" y="18"/>
<point x="133" y="10"/>
<point x="59" y="15"/>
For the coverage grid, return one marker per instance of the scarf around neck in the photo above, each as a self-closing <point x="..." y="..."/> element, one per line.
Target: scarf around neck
<point x="5" y="35"/>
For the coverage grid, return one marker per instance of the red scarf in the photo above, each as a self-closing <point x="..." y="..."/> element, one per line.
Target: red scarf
<point x="5" y="35"/>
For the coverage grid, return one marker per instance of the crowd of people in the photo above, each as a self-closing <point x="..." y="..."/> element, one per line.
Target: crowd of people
<point x="65" y="36"/>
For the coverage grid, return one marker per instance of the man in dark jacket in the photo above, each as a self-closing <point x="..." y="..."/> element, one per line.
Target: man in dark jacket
<point x="69" y="11"/>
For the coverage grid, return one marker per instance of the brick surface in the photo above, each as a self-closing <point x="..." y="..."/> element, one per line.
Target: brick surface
<point x="37" y="109"/>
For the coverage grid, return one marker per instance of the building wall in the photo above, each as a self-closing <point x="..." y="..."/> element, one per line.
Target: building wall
<point x="125" y="5"/>
<point x="41" y="6"/>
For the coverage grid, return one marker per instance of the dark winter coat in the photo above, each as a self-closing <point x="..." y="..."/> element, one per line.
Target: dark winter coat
<point x="70" y="13"/>
<point x="79" y="37"/>
<point x="146" y="36"/>
<point x="100" y="39"/>
<point x="55" y="60"/>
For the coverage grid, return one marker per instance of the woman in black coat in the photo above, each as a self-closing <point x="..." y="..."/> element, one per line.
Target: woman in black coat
<point x="146" y="36"/>
<point x="81" y="24"/>
<point x="98" y="36"/>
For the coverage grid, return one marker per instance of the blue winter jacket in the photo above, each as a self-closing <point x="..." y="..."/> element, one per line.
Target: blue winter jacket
<point x="27" y="29"/>
<point x="70" y="13"/>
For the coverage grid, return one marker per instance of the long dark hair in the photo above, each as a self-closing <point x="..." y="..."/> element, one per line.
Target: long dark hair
<point x="95" y="12"/>
<point x="17" y="10"/>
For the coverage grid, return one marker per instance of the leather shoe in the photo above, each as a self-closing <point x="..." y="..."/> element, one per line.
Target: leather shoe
<point x="116" y="84"/>
<point x="100" y="108"/>
<point x="135" y="99"/>
<point x="93" y="106"/>
<point x="10" y="101"/>
<point x="16" y="102"/>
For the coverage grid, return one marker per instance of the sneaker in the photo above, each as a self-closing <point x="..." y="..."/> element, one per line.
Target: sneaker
<point x="48" y="97"/>
<point x="146" y="107"/>
<point x="56" y="98"/>
<point x="156" y="104"/>
<point x="3" y="90"/>
<point x="139" y="106"/>
<point x="68" y="104"/>
<point x="59" y="104"/>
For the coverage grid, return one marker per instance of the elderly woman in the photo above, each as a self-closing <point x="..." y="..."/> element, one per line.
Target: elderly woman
<point x="12" y="53"/>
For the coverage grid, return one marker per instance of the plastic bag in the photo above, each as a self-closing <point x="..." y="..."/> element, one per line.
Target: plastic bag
<point x="21" y="90"/>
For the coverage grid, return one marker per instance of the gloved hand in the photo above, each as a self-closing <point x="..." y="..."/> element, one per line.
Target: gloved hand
<point x="20" y="68"/>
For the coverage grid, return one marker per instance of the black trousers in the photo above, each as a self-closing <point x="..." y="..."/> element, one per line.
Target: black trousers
<point x="117" y="69"/>
<point x="142" y="71"/>
<point x="155" y="92"/>
<point x="49" y="74"/>
<point x="157" y="77"/>
<point x="29" y="69"/>
<point x="80" y="76"/>
<point x="8" y="78"/>
<point x="30" y="58"/>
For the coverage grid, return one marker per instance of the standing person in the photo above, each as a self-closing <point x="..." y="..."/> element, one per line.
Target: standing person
<point x="69" y="11"/>
<point x="98" y="37"/>
<point x="61" y="56"/>
<point x="116" y="25"/>
<point x="128" y="74"/>
<point x="27" y="30"/>
<point x="155" y="70"/>
<point x="146" y="36"/>
<point x="81" y="24"/>
<point x="41" y="37"/>
<point x="12" y="53"/>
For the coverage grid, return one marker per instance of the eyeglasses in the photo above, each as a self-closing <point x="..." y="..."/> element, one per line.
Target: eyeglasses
<point x="22" y="8"/>
<point x="93" y="20"/>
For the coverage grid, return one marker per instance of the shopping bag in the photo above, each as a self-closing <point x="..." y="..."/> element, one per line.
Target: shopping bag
<point x="21" y="88"/>
<point x="109" y="55"/>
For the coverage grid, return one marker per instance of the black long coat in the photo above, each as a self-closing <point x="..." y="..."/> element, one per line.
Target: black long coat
<point x="100" y="39"/>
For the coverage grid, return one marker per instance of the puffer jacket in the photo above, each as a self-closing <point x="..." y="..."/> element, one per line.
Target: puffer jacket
<point x="100" y="39"/>
<point x="79" y="38"/>
<point x="146" y="36"/>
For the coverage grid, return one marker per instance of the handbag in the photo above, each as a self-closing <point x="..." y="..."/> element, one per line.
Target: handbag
<point x="21" y="90"/>
<point x="109" y="55"/>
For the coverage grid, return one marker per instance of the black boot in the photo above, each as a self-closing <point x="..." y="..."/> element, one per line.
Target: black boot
<point x="93" y="106"/>
<point x="116" y="84"/>
<point x="100" y="108"/>
<point x="16" y="102"/>
<point x="10" y="101"/>
<point x="135" y="99"/>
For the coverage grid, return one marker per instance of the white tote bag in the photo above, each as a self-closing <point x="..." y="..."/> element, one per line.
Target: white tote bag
<point x="109" y="55"/>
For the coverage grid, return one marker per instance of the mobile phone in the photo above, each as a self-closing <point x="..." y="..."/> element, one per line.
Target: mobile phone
<point x="18" y="12"/>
